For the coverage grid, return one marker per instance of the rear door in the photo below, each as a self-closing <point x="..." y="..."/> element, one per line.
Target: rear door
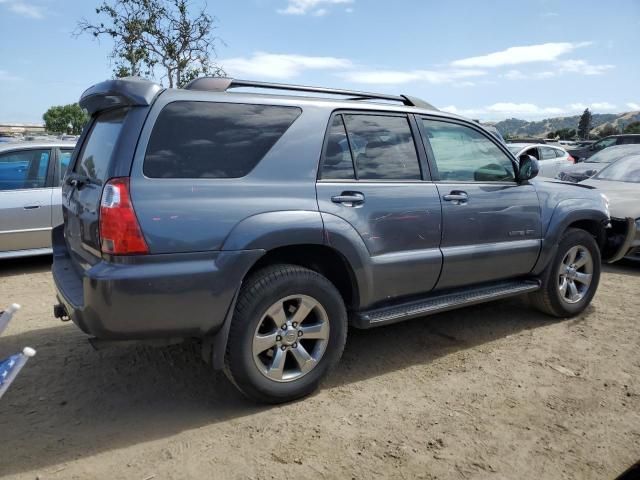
<point x="371" y="178"/>
<point x="491" y="224"/>
<point x="82" y="189"/>
<point x="25" y="199"/>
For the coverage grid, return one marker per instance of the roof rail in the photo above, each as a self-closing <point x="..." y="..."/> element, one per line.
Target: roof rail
<point x="222" y="84"/>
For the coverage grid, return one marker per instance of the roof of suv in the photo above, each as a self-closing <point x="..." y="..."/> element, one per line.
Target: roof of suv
<point x="133" y="91"/>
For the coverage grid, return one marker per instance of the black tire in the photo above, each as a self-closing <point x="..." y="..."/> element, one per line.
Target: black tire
<point x="261" y="291"/>
<point x="549" y="298"/>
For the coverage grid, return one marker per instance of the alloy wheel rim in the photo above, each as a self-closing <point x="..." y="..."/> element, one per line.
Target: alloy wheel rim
<point x="575" y="274"/>
<point x="291" y="338"/>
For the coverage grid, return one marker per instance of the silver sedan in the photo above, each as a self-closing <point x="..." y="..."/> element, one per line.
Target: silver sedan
<point x="551" y="159"/>
<point x="30" y="195"/>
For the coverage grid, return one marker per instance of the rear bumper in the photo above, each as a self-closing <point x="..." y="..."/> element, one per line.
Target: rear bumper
<point x="155" y="296"/>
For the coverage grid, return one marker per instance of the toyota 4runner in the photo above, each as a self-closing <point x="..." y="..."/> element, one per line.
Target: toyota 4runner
<point x="264" y="224"/>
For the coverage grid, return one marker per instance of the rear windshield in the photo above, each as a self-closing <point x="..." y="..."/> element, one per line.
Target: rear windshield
<point x="213" y="140"/>
<point x="98" y="148"/>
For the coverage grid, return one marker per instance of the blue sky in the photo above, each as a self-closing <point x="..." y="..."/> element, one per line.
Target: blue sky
<point x="489" y="60"/>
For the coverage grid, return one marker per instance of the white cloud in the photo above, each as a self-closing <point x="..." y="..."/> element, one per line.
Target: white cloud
<point x="582" y="67"/>
<point x="280" y="66"/>
<point x="24" y="8"/>
<point x="302" y="7"/>
<point x="603" y="106"/>
<point x="514" y="75"/>
<point x="501" y="110"/>
<point x="509" y="108"/>
<point x="546" y="52"/>
<point x="395" y="77"/>
<point x="633" y="105"/>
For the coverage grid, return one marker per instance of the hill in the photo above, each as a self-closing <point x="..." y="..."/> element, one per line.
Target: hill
<point x="540" y="128"/>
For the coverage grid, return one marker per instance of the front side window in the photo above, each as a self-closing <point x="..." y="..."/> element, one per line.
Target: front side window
<point x="214" y="140"/>
<point x="382" y="147"/>
<point x="463" y="154"/>
<point x="24" y="169"/>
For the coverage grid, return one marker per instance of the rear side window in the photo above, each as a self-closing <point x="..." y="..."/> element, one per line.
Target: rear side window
<point x="547" y="153"/>
<point x="338" y="164"/>
<point x="383" y="147"/>
<point x="97" y="150"/>
<point x="213" y="140"/>
<point x="559" y="153"/>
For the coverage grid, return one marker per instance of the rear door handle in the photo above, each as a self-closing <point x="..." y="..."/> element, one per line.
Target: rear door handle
<point x="349" y="199"/>
<point x="456" y="196"/>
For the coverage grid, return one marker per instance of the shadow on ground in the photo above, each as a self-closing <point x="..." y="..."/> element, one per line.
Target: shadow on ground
<point x="624" y="267"/>
<point x="25" y="266"/>
<point x="72" y="401"/>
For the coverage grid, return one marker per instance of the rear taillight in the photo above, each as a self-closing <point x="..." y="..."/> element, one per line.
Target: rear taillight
<point x="119" y="229"/>
<point x="571" y="159"/>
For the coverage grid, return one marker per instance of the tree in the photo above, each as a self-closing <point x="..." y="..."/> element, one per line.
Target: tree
<point x="65" y="119"/>
<point x="633" y="127"/>
<point x="608" y="129"/>
<point x="551" y="135"/>
<point x="158" y="38"/>
<point x="584" y="126"/>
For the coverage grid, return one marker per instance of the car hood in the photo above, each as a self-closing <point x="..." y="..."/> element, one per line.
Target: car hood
<point x="583" y="167"/>
<point x="623" y="197"/>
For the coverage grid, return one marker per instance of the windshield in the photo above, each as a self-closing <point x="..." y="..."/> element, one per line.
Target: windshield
<point x="514" y="149"/>
<point x="624" y="170"/>
<point x="612" y="154"/>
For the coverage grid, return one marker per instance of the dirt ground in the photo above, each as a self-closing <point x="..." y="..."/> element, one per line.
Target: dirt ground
<point x="496" y="391"/>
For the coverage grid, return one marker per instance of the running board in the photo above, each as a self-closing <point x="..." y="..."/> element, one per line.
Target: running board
<point x="443" y="301"/>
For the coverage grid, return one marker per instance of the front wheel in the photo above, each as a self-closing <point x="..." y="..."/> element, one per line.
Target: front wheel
<point x="289" y="328"/>
<point x="571" y="279"/>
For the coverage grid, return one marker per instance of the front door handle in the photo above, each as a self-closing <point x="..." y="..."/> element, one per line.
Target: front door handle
<point x="349" y="199"/>
<point x="31" y="207"/>
<point x="456" y="196"/>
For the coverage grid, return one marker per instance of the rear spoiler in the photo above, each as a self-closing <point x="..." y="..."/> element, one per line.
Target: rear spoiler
<point x="122" y="92"/>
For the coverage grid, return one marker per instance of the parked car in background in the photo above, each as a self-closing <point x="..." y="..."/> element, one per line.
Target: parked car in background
<point x="551" y="158"/>
<point x="591" y="166"/>
<point x="264" y="224"/>
<point x="620" y="182"/>
<point x="30" y="195"/>
<point x="532" y="140"/>
<point x="582" y="153"/>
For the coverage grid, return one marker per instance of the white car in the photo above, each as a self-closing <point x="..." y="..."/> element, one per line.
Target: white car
<point x="550" y="158"/>
<point x="31" y="195"/>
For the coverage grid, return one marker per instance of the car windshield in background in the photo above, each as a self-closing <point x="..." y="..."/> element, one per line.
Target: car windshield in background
<point x="612" y="154"/>
<point x="625" y="170"/>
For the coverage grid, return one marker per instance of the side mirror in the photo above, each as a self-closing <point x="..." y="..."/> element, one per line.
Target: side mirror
<point x="529" y="168"/>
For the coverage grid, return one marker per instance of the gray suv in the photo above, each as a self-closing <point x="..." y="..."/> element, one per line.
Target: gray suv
<point x="263" y="225"/>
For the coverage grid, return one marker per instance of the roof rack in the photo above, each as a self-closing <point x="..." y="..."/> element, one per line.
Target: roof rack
<point x="222" y="84"/>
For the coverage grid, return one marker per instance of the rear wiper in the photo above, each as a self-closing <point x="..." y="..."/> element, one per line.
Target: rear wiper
<point x="77" y="180"/>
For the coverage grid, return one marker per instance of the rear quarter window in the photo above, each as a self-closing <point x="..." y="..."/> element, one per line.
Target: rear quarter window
<point x="214" y="140"/>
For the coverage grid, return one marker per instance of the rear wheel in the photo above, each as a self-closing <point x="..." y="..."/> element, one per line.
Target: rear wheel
<point x="289" y="328"/>
<point x="571" y="279"/>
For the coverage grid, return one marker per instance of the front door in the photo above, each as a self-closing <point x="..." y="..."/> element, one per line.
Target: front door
<point x="491" y="224"/>
<point x="25" y="200"/>
<point x="371" y="178"/>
